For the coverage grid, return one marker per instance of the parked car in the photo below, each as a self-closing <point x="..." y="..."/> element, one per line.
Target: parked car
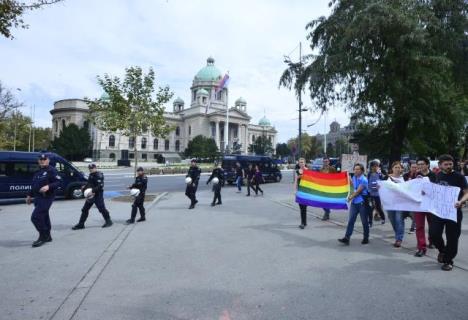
<point x="88" y="160"/>
<point x="17" y="170"/>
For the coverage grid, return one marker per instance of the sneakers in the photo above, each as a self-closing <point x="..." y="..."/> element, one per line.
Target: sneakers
<point x="397" y="244"/>
<point x="344" y="240"/>
<point x="447" y="267"/>
<point x="107" y="224"/>
<point x="365" y="241"/>
<point x="325" y="217"/>
<point x="302" y="226"/>
<point x="411" y="231"/>
<point x="141" y="219"/>
<point x="440" y="257"/>
<point x="78" y="226"/>
<point x="420" y="253"/>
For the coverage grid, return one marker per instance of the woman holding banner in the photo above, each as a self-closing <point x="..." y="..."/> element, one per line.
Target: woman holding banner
<point x="396" y="217"/>
<point x="297" y="180"/>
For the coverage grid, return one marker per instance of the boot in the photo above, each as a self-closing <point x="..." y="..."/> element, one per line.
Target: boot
<point x="107" y="224"/>
<point x="39" y="242"/>
<point x="129" y="221"/>
<point x="48" y="237"/>
<point x="142" y="218"/>
<point x="78" y="226"/>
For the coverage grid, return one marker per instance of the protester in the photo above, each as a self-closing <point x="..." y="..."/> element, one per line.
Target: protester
<point x="420" y="217"/>
<point x="257" y="179"/>
<point x="374" y="177"/>
<point x="239" y="177"/>
<point x="358" y="205"/>
<point x="297" y="181"/>
<point x="448" y="251"/>
<point x="249" y="175"/>
<point x="396" y="217"/>
<point x="326" y="168"/>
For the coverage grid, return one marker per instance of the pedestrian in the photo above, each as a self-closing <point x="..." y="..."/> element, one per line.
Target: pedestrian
<point x="327" y="168"/>
<point x="249" y="175"/>
<point x="358" y="206"/>
<point x="410" y="175"/>
<point x="239" y="177"/>
<point x="257" y="179"/>
<point x="374" y="177"/>
<point x="297" y="180"/>
<point x="448" y="251"/>
<point x="141" y="183"/>
<point x="42" y="193"/>
<point x="396" y="217"/>
<point x="96" y="184"/>
<point x="420" y="217"/>
<point x="217" y="175"/>
<point x="191" y="189"/>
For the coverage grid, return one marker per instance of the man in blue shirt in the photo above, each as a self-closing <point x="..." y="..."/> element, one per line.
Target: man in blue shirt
<point x="44" y="184"/>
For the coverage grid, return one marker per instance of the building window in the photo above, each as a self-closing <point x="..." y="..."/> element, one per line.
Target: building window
<point x="143" y="143"/>
<point x="131" y="155"/>
<point x="204" y="100"/>
<point x="213" y="129"/>
<point x="155" y="144"/>
<point x="253" y="138"/>
<point x="112" y="141"/>
<point x="63" y="124"/>
<point x="112" y="156"/>
<point x="177" y="131"/>
<point x="144" y="156"/>
<point x="56" y="125"/>
<point x="219" y="95"/>
<point x="177" y="145"/>
<point x="86" y="124"/>
<point x="131" y="142"/>
<point x="189" y="130"/>
<point x="166" y="145"/>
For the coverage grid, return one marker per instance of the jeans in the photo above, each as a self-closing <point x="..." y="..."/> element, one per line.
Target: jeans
<point x="361" y="209"/>
<point x="398" y="223"/>
<point x="239" y="183"/>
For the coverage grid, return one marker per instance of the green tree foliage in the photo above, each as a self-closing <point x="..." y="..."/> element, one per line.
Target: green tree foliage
<point x="400" y="66"/>
<point x="311" y="147"/>
<point x="42" y="138"/>
<point x="11" y="14"/>
<point x="201" y="147"/>
<point x="283" y="150"/>
<point x="73" y="143"/>
<point x="261" y="146"/>
<point x="7" y="132"/>
<point x="131" y="106"/>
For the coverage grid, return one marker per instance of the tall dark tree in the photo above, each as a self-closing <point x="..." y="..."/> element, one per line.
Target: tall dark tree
<point x="73" y="143"/>
<point x="201" y="147"/>
<point x="261" y="146"/>
<point x="395" y="64"/>
<point x="282" y="150"/>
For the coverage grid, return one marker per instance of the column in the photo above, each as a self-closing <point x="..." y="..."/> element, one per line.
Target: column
<point x="217" y="135"/>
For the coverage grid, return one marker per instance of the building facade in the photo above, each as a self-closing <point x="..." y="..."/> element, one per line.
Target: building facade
<point x="206" y="115"/>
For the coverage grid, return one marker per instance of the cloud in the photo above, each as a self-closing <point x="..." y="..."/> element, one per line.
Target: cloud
<point x="70" y="43"/>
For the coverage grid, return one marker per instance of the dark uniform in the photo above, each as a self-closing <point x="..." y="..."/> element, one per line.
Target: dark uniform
<point x="191" y="189"/>
<point x="141" y="183"/>
<point x="218" y="173"/>
<point x="250" y="173"/>
<point x="43" y="200"/>
<point x="96" y="183"/>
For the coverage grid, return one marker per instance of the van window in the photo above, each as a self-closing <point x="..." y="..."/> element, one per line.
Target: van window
<point x="18" y="169"/>
<point x="3" y="169"/>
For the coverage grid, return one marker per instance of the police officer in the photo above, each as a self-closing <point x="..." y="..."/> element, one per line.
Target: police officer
<point x="191" y="189"/>
<point x="141" y="182"/>
<point x="96" y="183"/>
<point x="45" y="182"/>
<point x="218" y="172"/>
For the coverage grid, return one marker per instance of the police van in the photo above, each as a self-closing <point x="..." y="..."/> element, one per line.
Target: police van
<point x="17" y="170"/>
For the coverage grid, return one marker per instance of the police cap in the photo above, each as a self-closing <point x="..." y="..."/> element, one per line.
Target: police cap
<point x="91" y="166"/>
<point x="43" y="156"/>
<point x="140" y="169"/>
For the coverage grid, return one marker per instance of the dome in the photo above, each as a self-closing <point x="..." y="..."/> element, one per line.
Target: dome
<point x="241" y="101"/>
<point x="178" y="101"/>
<point x="202" y="92"/>
<point x="104" y="96"/>
<point x="210" y="72"/>
<point x="264" y="122"/>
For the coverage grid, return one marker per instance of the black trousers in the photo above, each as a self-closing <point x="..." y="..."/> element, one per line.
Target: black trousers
<point x="250" y="186"/>
<point x="377" y="205"/>
<point x="217" y="193"/>
<point x="138" y="204"/>
<point x="303" y="214"/>
<point x="191" y="193"/>
<point x="40" y="215"/>
<point x="257" y="187"/>
<point x="98" y="200"/>
<point x="452" y="233"/>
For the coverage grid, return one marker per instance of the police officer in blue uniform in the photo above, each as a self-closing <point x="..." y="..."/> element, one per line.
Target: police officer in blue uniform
<point x="191" y="189"/>
<point x="96" y="183"/>
<point x="44" y="184"/>
<point x="218" y="172"/>
<point x="141" y="183"/>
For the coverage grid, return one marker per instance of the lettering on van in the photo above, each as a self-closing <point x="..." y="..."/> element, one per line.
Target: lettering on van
<point x="20" y="188"/>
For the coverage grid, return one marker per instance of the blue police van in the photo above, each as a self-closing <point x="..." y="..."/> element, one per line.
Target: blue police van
<point x="268" y="167"/>
<point x="17" y="170"/>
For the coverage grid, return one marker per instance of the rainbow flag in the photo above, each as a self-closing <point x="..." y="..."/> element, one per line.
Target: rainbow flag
<point x="323" y="190"/>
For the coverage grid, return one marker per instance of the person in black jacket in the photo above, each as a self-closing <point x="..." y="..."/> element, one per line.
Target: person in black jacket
<point x="191" y="189"/>
<point x="141" y="183"/>
<point x="218" y="172"/>
<point x="96" y="183"/>
<point x="45" y="181"/>
<point x="249" y="174"/>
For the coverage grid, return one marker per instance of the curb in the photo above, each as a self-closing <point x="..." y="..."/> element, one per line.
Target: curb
<point x="75" y="298"/>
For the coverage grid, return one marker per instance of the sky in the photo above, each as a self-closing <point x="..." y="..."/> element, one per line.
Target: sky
<point x="68" y="44"/>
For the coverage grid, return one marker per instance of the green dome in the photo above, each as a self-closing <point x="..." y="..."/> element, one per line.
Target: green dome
<point x="202" y="92"/>
<point x="241" y="101"/>
<point x="178" y="101"/>
<point x="264" y="122"/>
<point x="209" y="73"/>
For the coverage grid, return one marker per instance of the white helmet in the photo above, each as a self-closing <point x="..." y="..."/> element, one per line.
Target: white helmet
<point x="88" y="193"/>
<point x="135" y="192"/>
<point x="215" y="180"/>
<point x="188" y="180"/>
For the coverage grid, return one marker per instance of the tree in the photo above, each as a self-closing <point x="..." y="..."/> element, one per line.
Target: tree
<point x="201" y="147"/>
<point x="42" y="138"/>
<point x="282" y="150"/>
<point x="11" y="14"/>
<point x="130" y="107"/>
<point x="7" y="132"/>
<point x="311" y="147"/>
<point x="73" y="143"/>
<point x="396" y="64"/>
<point x="261" y="146"/>
<point x="8" y="103"/>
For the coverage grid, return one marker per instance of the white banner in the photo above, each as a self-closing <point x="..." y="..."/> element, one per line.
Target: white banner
<point x="349" y="160"/>
<point x="409" y="196"/>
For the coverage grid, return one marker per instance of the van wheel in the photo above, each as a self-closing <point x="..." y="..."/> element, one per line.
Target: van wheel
<point x="278" y="178"/>
<point x="75" y="193"/>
